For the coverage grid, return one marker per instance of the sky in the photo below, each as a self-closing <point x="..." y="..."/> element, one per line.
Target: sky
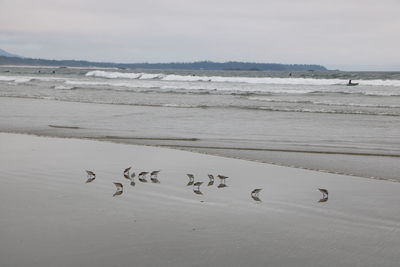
<point x="341" y="34"/>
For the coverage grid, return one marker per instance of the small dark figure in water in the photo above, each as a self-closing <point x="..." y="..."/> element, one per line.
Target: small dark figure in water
<point x="349" y="81"/>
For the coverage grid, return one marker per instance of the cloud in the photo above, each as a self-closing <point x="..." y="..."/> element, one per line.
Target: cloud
<point x="303" y="31"/>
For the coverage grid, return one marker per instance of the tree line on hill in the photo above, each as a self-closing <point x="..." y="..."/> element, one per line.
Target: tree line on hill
<point x="198" y="65"/>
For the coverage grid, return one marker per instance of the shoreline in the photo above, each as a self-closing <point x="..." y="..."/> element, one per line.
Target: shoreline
<point x="156" y="126"/>
<point x="203" y="150"/>
<point x="57" y="219"/>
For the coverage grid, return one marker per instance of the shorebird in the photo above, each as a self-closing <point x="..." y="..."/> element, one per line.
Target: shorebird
<point x="222" y="183"/>
<point x="119" y="186"/>
<point x="119" y="189"/>
<point x="191" y="179"/>
<point x="198" y="185"/>
<point x="142" y="177"/>
<point x="255" y="192"/>
<point x="90" y="176"/>
<point x="222" y="177"/>
<point x="126" y="172"/>
<point x="324" y="192"/>
<point x="154" y="174"/>
<point x="211" y="177"/>
<point x="153" y="177"/>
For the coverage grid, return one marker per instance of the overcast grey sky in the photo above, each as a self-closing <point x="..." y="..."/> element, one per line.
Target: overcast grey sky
<point x="350" y="35"/>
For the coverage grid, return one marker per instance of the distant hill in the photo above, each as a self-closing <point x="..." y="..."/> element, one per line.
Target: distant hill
<point x="6" y="54"/>
<point x="6" y="59"/>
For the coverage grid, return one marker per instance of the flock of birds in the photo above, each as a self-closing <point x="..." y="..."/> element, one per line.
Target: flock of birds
<point x="142" y="177"/>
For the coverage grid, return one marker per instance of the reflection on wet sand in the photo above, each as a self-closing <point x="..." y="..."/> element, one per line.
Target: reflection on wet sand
<point x="117" y="193"/>
<point x="154" y="180"/>
<point x="222" y="185"/>
<point x="324" y="199"/>
<point x="197" y="191"/>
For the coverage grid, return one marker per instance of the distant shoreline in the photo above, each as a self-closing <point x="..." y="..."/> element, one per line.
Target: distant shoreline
<point x="198" y="65"/>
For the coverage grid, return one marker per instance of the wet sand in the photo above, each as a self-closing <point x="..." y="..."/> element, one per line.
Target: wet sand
<point x="372" y="150"/>
<point x="49" y="216"/>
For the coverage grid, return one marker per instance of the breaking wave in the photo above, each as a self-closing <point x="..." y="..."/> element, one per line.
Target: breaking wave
<point x="250" y="80"/>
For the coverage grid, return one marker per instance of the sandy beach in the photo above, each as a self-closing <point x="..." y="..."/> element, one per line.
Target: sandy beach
<point x="51" y="217"/>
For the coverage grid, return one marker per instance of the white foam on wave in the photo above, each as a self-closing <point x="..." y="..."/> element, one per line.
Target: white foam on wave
<point x="124" y="75"/>
<point x="250" y="80"/>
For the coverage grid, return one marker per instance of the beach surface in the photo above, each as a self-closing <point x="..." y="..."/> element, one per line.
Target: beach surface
<point x="49" y="216"/>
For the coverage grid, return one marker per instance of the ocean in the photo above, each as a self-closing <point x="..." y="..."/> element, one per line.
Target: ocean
<point x="308" y="120"/>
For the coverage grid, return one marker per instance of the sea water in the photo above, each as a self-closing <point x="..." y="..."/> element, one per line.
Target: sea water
<point x="302" y="119"/>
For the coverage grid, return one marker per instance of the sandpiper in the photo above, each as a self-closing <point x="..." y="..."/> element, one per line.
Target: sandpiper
<point x="154" y="174"/>
<point x="211" y="177"/>
<point x="119" y="189"/>
<point x="255" y="192"/>
<point x="153" y="177"/>
<point x="119" y="186"/>
<point x="324" y="192"/>
<point x="90" y="176"/>
<point x="126" y="172"/>
<point x="324" y="199"/>
<point x="191" y="179"/>
<point x="142" y="177"/>
<point x="222" y="177"/>
<point x="198" y="185"/>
